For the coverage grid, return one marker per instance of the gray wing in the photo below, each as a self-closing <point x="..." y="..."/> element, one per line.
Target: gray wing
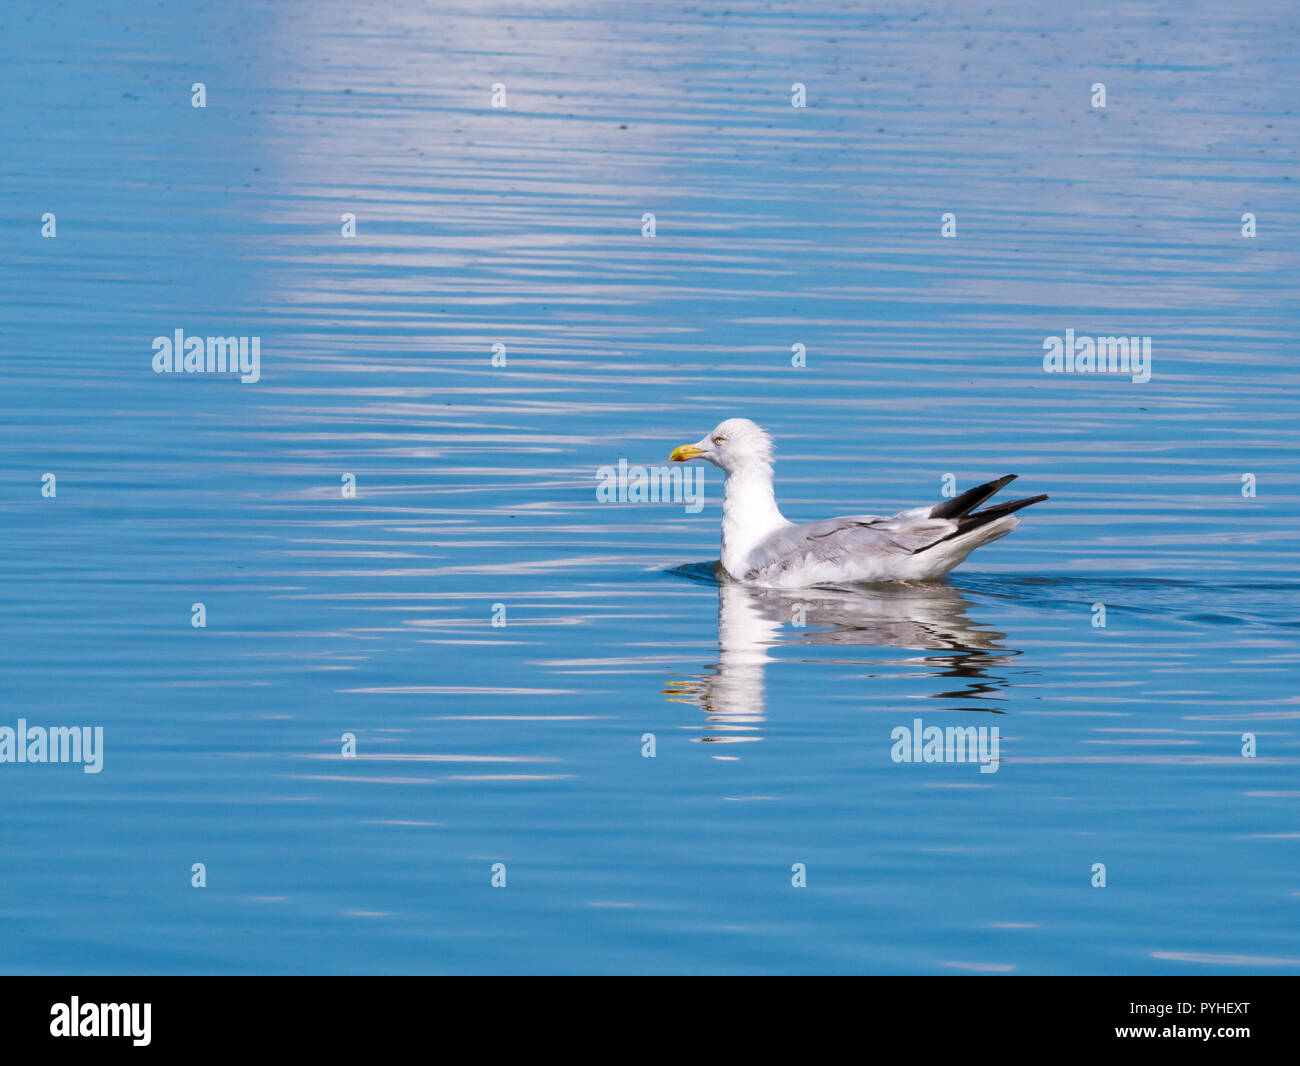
<point x="853" y="548"/>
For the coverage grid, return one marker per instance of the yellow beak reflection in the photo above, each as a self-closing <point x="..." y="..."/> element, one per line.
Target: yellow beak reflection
<point x="686" y="451"/>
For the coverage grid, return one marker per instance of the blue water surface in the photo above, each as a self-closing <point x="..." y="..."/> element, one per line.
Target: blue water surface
<point x="498" y="640"/>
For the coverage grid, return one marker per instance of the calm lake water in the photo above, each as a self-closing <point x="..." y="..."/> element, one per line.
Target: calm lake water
<point x="475" y="486"/>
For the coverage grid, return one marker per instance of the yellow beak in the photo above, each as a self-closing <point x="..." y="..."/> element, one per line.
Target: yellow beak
<point x="686" y="451"/>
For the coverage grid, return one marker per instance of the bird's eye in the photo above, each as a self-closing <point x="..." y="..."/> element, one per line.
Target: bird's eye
<point x="718" y="440"/>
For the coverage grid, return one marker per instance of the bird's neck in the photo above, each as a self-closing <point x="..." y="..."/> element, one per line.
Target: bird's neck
<point x="749" y="514"/>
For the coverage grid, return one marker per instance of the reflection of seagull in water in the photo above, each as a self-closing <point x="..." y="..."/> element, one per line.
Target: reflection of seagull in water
<point x="928" y="617"/>
<point x="760" y="547"/>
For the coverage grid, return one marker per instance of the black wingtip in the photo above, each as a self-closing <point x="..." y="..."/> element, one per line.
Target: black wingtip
<point x="969" y="522"/>
<point x="979" y="518"/>
<point x="962" y="505"/>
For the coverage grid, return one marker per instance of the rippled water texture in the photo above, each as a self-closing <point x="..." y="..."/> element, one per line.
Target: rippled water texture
<point x="475" y="502"/>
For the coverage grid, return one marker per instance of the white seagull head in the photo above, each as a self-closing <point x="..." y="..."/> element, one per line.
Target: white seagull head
<point x="733" y="446"/>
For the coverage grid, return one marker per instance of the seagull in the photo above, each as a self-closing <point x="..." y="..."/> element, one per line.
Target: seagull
<point x="761" y="547"/>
